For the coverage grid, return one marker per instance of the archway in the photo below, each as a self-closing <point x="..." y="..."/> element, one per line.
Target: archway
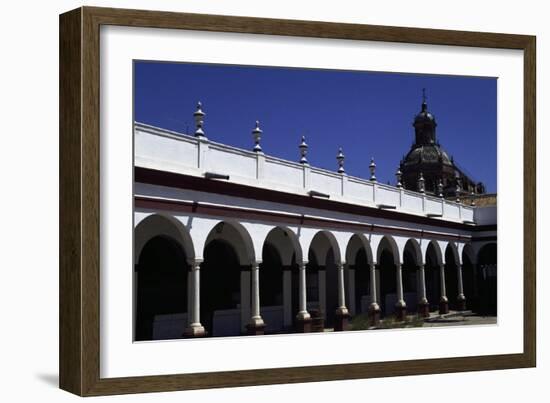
<point x="162" y="248"/>
<point x="279" y="283"/>
<point x="451" y="275"/>
<point x="271" y="288"/>
<point x="387" y="273"/>
<point x="323" y="257"/>
<point x="432" y="276"/>
<point x="487" y="279"/>
<point x="358" y="274"/>
<point x="225" y="304"/>
<point x="312" y="282"/>
<point x="362" y="282"/>
<point x="161" y="295"/>
<point x="469" y="279"/>
<point x="412" y="258"/>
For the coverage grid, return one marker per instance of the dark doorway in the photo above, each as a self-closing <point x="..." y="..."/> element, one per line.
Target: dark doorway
<point x="468" y="280"/>
<point x="271" y="289"/>
<point x="161" y="290"/>
<point x="331" y="286"/>
<point x="295" y="290"/>
<point x="388" y="286"/>
<point x="410" y="280"/>
<point x="487" y="279"/>
<point x="362" y="282"/>
<point x="451" y="278"/>
<point x="433" y="278"/>
<point x="271" y="277"/>
<point x="220" y="283"/>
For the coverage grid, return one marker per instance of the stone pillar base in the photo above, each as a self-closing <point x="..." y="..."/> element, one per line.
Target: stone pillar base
<point x="195" y="331"/>
<point x="400" y="311"/>
<point x="461" y="303"/>
<point x="423" y="309"/>
<point x="255" y="329"/>
<point x="303" y="324"/>
<point x="443" y="306"/>
<point x="374" y="314"/>
<point x="341" y="320"/>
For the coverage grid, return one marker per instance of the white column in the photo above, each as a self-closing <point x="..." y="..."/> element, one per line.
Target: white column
<point x="256" y="318"/>
<point x="190" y="286"/>
<point x="303" y="313"/>
<point x="461" y="298"/>
<point x="341" y="290"/>
<point x="423" y="298"/>
<point x="442" y="283"/>
<point x="378" y="285"/>
<point x="287" y="297"/>
<point x="373" y="285"/>
<point x="460" y="284"/>
<point x="398" y="271"/>
<point x="195" y="328"/>
<point x="245" y="298"/>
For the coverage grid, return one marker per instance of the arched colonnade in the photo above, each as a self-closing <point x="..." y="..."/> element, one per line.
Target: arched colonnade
<point x="197" y="276"/>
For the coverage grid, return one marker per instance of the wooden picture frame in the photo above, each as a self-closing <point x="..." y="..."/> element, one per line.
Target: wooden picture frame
<point x="80" y="199"/>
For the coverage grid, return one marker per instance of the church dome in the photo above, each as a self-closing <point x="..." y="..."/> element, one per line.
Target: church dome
<point x="427" y="154"/>
<point x="426" y="159"/>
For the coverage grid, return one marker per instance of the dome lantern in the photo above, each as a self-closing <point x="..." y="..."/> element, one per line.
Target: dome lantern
<point x="424" y="124"/>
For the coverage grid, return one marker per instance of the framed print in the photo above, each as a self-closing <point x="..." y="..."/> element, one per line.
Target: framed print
<point x="249" y="201"/>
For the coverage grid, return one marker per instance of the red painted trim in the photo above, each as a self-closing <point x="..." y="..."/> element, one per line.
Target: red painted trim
<point x="481" y="228"/>
<point x="484" y="238"/>
<point x="180" y="181"/>
<point x="242" y="213"/>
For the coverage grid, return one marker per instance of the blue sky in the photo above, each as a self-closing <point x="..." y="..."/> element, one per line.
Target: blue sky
<point x="368" y="114"/>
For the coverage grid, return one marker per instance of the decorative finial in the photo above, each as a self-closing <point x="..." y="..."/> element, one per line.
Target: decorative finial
<point x="457" y="191"/>
<point x="199" y="120"/>
<point x="372" y="167"/>
<point x="424" y="104"/>
<point x="398" y="176"/>
<point x="421" y="184"/>
<point x="340" y="158"/>
<point x="303" y="150"/>
<point x="440" y="188"/>
<point x="257" y="134"/>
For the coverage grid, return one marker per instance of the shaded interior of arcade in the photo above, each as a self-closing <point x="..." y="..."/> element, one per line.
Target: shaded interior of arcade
<point x="229" y="292"/>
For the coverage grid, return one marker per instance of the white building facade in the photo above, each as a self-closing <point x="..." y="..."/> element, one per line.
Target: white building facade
<point x="253" y="244"/>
